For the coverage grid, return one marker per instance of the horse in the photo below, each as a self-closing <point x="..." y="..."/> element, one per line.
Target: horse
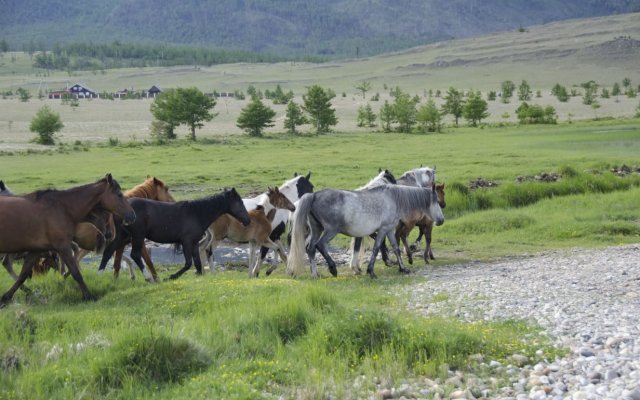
<point x="293" y="189"/>
<point x="46" y="220"/>
<point x="425" y="224"/>
<point x="256" y="233"/>
<point x="356" y="214"/>
<point x="154" y="189"/>
<point x="182" y="222"/>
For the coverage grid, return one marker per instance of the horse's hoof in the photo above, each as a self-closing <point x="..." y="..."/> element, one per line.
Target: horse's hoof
<point x="373" y="276"/>
<point x="333" y="270"/>
<point x="405" y="271"/>
<point x="172" y="277"/>
<point x="90" y="297"/>
<point x="413" y="248"/>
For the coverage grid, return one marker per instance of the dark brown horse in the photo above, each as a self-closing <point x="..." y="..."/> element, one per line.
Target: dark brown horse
<point x="154" y="189"/>
<point x="46" y="221"/>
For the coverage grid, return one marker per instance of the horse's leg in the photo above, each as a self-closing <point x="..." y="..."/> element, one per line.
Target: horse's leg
<point x="112" y="247"/>
<point x="416" y="245"/>
<point x="129" y="263"/>
<point x="146" y="256"/>
<point x="187" y="251"/>
<point x="396" y="250"/>
<point x="254" y="261"/>
<point x="8" y="265"/>
<point x="316" y="230"/>
<point x="204" y="247"/>
<point x="29" y="261"/>
<point x="402" y="231"/>
<point x="277" y="248"/>
<point x="195" y="255"/>
<point x="325" y="238"/>
<point x="70" y="261"/>
<point x="354" y="263"/>
<point x="427" y="229"/>
<point x="137" y="243"/>
<point x="212" y="246"/>
<point x="374" y="254"/>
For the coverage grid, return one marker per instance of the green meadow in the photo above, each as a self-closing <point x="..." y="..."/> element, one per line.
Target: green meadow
<point x="224" y="335"/>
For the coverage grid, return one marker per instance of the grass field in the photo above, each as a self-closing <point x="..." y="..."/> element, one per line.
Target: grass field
<point x="225" y="336"/>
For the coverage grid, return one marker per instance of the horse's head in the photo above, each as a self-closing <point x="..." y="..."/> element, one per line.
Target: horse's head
<point x="435" y="210"/>
<point x="113" y="200"/>
<point x="279" y="200"/>
<point x="440" y="194"/>
<point x="295" y="188"/>
<point x="236" y="206"/>
<point x="425" y="176"/>
<point x="161" y="190"/>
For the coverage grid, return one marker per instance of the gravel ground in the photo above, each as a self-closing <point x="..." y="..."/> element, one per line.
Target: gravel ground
<point x="588" y="301"/>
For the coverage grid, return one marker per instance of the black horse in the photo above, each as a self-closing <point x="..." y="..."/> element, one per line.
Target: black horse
<point x="183" y="223"/>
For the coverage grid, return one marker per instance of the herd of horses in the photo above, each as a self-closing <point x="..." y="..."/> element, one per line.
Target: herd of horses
<point x="66" y="225"/>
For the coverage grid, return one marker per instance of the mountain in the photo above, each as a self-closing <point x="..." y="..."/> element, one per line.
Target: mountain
<point x="330" y="28"/>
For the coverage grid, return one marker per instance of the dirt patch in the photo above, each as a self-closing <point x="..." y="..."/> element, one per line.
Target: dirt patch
<point x="619" y="47"/>
<point x="625" y="170"/>
<point x="542" y="177"/>
<point x="480" y="183"/>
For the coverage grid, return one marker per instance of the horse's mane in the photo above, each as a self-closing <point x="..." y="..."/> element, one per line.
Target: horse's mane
<point x="408" y="197"/>
<point x="145" y="189"/>
<point x="45" y="193"/>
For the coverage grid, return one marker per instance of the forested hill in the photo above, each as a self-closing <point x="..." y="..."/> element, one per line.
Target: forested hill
<point x="327" y="28"/>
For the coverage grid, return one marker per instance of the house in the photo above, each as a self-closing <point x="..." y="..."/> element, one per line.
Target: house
<point x="82" y="92"/>
<point x="153" y="91"/>
<point x="58" y="94"/>
<point x="121" y="93"/>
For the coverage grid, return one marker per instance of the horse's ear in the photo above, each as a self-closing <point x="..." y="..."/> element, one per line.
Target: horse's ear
<point x="308" y="175"/>
<point x="156" y="181"/>
<point x="434" y="168"/>
<point x="2" y="186"/>
<point x="148" y="176"/>
<point x="379" y="169"/>
<point x="295" y="174"/>
<point x="109" y="178"/>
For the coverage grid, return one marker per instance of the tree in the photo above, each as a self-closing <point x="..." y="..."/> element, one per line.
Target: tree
<point x="23" y="94"/>
<point x="404" y="109"/>
<point x="560" y="92"/>
<point x="453" y="104"/>
<point x="475" y="109"/>
<point x="46" y="124"/>
<point x="366" y="117"/>
<point x="183" y="106"/>
<point x="387" y="116"/>
<point x="4" y="46"/>
<point x="535" y="114"/>
<point x="507" y="90"/>
<point x="294" y="116"/>
<point x="429" y="117"/>
<point x="626" y="82"/>
<point x="317" y="103"/>
<point x="255" y="117"/>
<point x="615" y="91"/>
<point x="364" y="87"/>
<point x="524" y="91"/>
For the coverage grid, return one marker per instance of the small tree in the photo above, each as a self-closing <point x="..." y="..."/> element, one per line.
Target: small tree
<point x="294" y="117"/>
<point x="560" y="92"/>
<point x="404" y="109"/>
<point x="255" y="117"/>
<point x="23" y="94"/>
<point x="387" y="116"/>
<point x="507" y="90"/>
<point x="475" y="109"/>
<point x="453" y="104"/>
<point x="317" y="103"/>
<point x="46" y="124"/>
<point x="429" y="117"/>
<point x="615" y="91"/>
<point x="626" y="82"/>
<point x="524" y="91"/>
<point x="364" y="87"/>
<point x="491" y="96"/>
<point x="366" y="117"/>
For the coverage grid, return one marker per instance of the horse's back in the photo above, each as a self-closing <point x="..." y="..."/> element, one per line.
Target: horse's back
<point x="26" y="223"/>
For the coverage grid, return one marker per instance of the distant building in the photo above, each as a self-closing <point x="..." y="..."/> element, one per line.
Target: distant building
<point x="121" y="93"/>
<point x="153" y="91"/>
<point x="82" y="92"/>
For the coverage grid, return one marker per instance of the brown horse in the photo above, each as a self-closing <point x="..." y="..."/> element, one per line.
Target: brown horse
<point x="154" y="189"/>
<point x="46" y="221"/>
<point x="256" y="233"/>
<point x="425" y="224"/>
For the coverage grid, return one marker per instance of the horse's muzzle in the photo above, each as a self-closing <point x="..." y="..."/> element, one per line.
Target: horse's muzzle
<point x="129" y="217"/>
<point x="439" y="221"/>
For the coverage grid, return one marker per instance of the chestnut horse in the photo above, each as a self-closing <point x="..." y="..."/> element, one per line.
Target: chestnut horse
<point x="46" y="220"/>
<point x="256" y="233"/>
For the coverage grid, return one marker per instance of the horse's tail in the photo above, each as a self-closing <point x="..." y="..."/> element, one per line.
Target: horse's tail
<point x="297" y="253"/>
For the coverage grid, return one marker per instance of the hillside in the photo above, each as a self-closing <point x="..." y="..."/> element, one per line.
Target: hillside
<point x="332" y="28"/>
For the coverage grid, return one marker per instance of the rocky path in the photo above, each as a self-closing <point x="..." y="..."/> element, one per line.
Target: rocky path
<point x="588" y="301"/>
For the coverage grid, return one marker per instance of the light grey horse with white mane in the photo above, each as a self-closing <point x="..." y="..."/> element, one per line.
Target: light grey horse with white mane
<point x="356" y="214"/>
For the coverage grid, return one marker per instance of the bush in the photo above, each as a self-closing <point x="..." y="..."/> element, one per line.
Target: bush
<point x="154" y="359"/>
<point x="535" y="114"/>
